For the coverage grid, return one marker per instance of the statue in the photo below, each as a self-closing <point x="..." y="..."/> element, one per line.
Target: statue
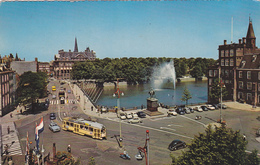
<point x="152" y="93"/>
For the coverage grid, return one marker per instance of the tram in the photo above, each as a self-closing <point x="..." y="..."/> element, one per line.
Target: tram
<point x="84" y="127"/>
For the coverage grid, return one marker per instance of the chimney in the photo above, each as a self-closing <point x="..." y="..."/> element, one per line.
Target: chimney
<point x="54" y="150"/>
<point x="36" y="59"/>
<point x="244" y="40"/>
<point x="239" y="41"/>
<point x="225" y="42"/>
<point x="69" y="50"/>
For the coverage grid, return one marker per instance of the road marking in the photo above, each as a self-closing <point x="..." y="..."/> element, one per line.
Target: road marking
<point x="160" y="118"/>
<point x="156" y="129"/>
<point x="168" y="128"/>
<point x="194" y="120"/>
<point x="174" y="125"/>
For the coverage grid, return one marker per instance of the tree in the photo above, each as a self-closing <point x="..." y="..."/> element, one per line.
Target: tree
<point x="66" y="158"/>
<point x="196" y="72"/>
<point x="91" y="161"/>
<point x="31" y="86"/>
<point x="215" y="92"/>
<point x="217" y="146"/>
<point x="186" y="95"/>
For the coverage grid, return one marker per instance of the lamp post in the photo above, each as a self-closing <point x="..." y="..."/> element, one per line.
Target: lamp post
<point x="118" y="92"/>
<point x="222" y="85"/>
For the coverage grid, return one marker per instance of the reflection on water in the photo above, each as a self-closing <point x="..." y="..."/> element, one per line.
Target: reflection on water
<point x="136" y="95"/>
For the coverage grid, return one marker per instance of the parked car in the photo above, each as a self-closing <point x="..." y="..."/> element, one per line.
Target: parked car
<point x="134" y="114"/>
<point x="171" y="112"/>
<point x="223" y="106"/>
<point x="129" y="116"/>
<point x="258" y="132"/>
<point x="187" y="110"/>
<point x="215" y="105"/>
<point x="204" y="108"/>
<point x="141" y="114"/>
<point x="210" y="107"/>
<point x="52" y="116"/>
<point x="180" y="110"/>
<point x="191" y="109"/>
<point x="135" y="120"/>
<point x="176" y="144"/>
<point x="198" y="108"/>
<point x="54" y="127"/>
<point x="122" y="116"/>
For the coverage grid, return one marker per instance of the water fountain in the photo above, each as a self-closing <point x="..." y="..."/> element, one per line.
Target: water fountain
<point x="164" y="76"/>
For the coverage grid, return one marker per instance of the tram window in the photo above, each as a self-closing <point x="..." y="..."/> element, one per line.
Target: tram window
<point x="91" y="129"/>
<point x="81" y="126"/>
<point x="67" y="123"/>
<point x="86" y="128"/>
<point x="71" y="124"/>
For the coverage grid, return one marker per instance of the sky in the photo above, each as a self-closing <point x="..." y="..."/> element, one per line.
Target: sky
<point x="119" y="29"/>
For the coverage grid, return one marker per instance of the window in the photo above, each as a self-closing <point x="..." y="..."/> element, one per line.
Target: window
<point x="249" y="96"/>
<point x="215" y="73"/>
<point x="231" y="53"/>
<point x="258" y="75"/>
<point x="226" y="53"/>
<point x="222" y="62"/>
<point x="240" y="84"/>
<point x="258" y="86"/>
<point x="249" y="85"/>
<point x="248" y="74"/>
<point x="232" y="62"/>
<point x="240" y="95"/>
<point x="210" y="81"/>
<point x="222" y="53"/>
<point x="227" y="73"/>
<point x="227" y="62"/>
<point x="240" y="74"/>
<point x="211" y="73"/>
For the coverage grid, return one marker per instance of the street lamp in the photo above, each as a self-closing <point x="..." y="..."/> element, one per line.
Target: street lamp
<point x="118" y="92"/>
<point x="222" y="85"/>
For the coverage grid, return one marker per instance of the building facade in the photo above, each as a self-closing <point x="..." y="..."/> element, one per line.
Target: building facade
<point x="63" y="61"/>
<point x="238" y="69"/>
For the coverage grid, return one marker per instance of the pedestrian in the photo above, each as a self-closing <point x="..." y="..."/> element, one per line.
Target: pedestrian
<point x="8" y="129"/>
<point x="91" y="108"/>
<point x="11" y="115"/>
<point x="244" y="137"/>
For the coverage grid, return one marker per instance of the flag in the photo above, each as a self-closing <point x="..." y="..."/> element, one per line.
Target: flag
<point x="39" y="129"/>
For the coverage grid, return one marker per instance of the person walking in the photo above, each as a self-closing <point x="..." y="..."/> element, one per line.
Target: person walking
<point x="8" y="129"/>
<point x="69" y="149"/>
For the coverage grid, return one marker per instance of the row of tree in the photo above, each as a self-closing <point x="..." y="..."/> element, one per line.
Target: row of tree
<point x="137" y="70"/>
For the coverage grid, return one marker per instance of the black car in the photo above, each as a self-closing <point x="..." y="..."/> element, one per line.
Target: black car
<point x="180" y="110"/>
<point x="176" y="144"/>
<point x="215" y="105"/>
<point x="52" y="116"/>
<point x="204" y="108"/>
<point x="141" y="114"/>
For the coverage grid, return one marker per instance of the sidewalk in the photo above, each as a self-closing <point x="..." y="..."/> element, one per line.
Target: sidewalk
<point x="241" y="106"/>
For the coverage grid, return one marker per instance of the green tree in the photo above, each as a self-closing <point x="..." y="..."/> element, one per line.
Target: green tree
<point x="186" y="95"/>
<point x="217" y="146"/>
<point x="196" y="72"/>
<point x="31" y="86"/>
<point x="215" y="92"/>
<point x="91" y="161"/>
<point x="65" y="158"/>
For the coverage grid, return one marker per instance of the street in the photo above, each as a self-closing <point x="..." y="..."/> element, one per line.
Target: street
<point x="162" y="130"/>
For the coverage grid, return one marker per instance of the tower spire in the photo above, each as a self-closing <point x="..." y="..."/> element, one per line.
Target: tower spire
<point x="250" y="37"/>
<point x="76" y="46"/>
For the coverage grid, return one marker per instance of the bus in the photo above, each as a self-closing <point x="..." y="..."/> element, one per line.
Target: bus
<point x="53" y="88"/>
<point x="84" y="127"/>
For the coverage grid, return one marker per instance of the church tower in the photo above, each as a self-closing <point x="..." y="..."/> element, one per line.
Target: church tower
<point x="250" y="37"/>
<point x="76" y="46"/>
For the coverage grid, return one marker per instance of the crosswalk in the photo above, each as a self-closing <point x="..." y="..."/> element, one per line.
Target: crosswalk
<point x="68" y="101"/>
<point x="10" y="139"/>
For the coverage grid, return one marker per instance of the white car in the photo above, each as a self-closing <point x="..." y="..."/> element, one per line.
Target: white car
<point x="210" y="107"/>
<point x="54" y="127"/>
<point x="198" y="108"/>
<point x="171" y="113"/>
<point x="134" y="115"/>
<point x="129" y="116"/>
<point x="135" y="120"/>
<point x="122" y="116"/>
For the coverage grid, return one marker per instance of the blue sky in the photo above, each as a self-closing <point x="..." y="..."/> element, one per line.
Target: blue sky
<point x="124" y="29"/>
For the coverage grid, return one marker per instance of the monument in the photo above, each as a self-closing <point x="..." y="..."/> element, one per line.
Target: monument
<point x="152" y="105"/>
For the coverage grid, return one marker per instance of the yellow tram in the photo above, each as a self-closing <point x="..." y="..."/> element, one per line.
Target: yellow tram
<point x="84" y="127"/>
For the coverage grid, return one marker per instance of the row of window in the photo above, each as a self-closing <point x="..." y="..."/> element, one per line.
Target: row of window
<point x="227" y="62"/>
<point x="227" y="53"/>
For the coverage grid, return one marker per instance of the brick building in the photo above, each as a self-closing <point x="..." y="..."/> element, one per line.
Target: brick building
<point x="239" y="69"/>
<point x="63" y="61"/>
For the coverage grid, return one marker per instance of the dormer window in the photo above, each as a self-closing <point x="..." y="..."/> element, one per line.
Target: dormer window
<point x="254" y="58"/>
